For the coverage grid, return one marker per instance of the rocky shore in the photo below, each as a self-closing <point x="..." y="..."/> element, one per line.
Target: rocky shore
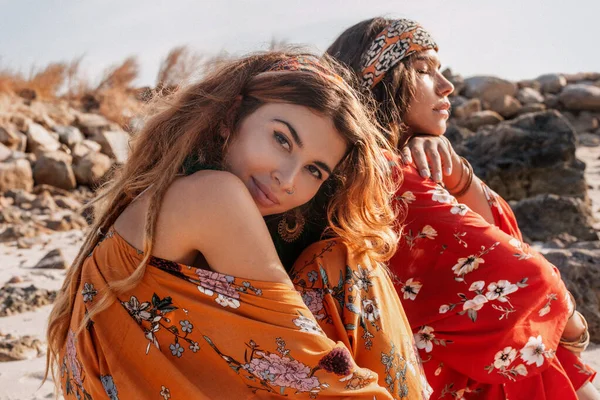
<point x="536" y="142"/>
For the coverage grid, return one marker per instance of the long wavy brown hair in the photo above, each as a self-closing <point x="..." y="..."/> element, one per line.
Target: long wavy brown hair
<point x="360" y="210"/>
<point x="397" y="88"/>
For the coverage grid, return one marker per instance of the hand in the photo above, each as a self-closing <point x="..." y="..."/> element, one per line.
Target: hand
<point x="433" y="156"/>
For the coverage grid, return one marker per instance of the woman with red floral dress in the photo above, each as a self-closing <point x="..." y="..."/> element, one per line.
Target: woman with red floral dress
<point x="491" y="317"/>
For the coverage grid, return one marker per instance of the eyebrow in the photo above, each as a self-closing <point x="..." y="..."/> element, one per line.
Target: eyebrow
<point x="300" y="144"/>
<point x="429" y="60"/>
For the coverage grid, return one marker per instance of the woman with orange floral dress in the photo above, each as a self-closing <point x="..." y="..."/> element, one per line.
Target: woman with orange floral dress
<point x="178" y="292"/>
<point x="491" y="317"/>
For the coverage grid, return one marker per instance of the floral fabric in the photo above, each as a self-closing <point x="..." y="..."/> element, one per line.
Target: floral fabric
<point x="355" y="303"/>
<point x="486" y="310"/>
<point x="187" y="333"/>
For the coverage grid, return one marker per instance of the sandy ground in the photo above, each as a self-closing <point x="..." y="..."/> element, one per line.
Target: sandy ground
<point x="22" y="379"/>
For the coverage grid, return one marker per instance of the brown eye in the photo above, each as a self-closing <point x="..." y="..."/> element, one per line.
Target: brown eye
<point x="282" y="140"/>
<point x="314" y="171"/>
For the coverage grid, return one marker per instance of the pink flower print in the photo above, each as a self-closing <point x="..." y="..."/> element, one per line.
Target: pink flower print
<point x="283" y="372"/>
<point x="211" y="282"/>
<point x="72" y="358"/>
<point x="314" y="301"/>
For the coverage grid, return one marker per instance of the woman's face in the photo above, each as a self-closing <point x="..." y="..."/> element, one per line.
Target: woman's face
<point x="283" y="153"/>
<point x="429" y="110"/>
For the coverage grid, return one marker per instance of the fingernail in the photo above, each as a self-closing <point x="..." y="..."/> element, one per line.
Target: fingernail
<point x="438" y="177"/>
<point x="425" y="173"/>
<point x="448" y="171"/>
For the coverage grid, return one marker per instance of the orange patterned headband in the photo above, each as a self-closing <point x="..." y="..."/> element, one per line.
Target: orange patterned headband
<point x="399" y="40"/>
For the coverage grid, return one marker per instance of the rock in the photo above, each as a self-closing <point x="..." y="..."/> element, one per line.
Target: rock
<point x="530" y="155"/>
<point x="580" y="270"/>
<point x="584" y="122"/>
<point x="528" y="95"/>
<point x="579" y="97"/>
<point x="81" y="149"/>
<point x="44" y="202"/>
<point x="21" y="348"/>
<point x="582" y="76"/>
<point x="588" y="139"/>
<point x="15" y="174"/>
<point x="92" y="124"/>
<point x="488" y="88"/>
<point x="467" y="108"/>
<point x="507" y="106"/>
<point x="21" y="122"/>
<point x="54" y="168"/>
<point x="14" y="300"/>
<point x="76" y="221"/>
<point x="69" y="135"/>
<point x="39" y="113"/>
<point x="547" y="215"/>
<point x="22" y="197"/>
<point x="531" y="108"/>
<point x="39" y="139"/>
<point x="15" y="279"/>
<point x="68" y="203"/>
<point x="551" y="83"/>
<point x="15" y="232"/>
<point x="58" y="224"/>
<point x="12" y="138"/>
<point x="28" y="94"/>
<point x="481" y="118"/>
<point x="10" y="215"/>
<point x="90" y="169"/>
<point x="23" y="243"/>
<point x="551" y="101"/>
<point x="115" y="144"/>
<point x="52" y="260"/>
<point x="5" y="153"/>
<point x="529" y="83"/>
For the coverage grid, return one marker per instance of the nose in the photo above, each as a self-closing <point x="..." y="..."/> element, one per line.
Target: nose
<point x="444" y="86"/>
<point x="285" y="178"/>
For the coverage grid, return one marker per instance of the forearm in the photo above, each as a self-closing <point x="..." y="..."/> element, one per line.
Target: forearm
<point x="474" y="196"/>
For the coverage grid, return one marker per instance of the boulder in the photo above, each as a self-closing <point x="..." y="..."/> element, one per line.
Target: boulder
<point x="580" y="270"/>
<point x="481" y="118"/>
<point x="528" y="95"/>
<point x="14" y="300"/>
<point x="12" y="138"/>
<point x="531" y="108"/>
<point x="92" y="124"/>
<point x="52" y="260"/>
<point x="584" y="121"/>
<point x="5" y="153"/>
<point x="467" y="108"/>
<point x="488" y="88"/>
<point x="40" y="140"/>
<point x="578" y="97"/>
<point x="15" y="174"/>
<point x="115" y="144"/>
<point x="81" y="149"/>
<point x="530" y="155"/>
<point x="20" y="348"/>
<point x="546" y="216"/>
<point x="507" y="106"/>
<point x="91" y="168"/>
<point x="551" y="83"/>
<point x="54" y="168"/>
<point x="68" y="135"/>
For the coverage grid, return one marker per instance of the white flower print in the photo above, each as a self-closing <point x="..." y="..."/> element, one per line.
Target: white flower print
<point x="411" y="289"/>
<point x="533" y="352"/>
<point x="176" y="349"/>
<point x="408" y="197"/>
<point x="505" y="357"/>
<point x="194" y="347"/>
<point x="227" y="301"/>
<point x="460" y="209"/>
<point x="516" y="243"/>
<point x="370" y="310"/>
<point x="186" y="326"/>
<point x="444" y="308"/>
<point x="307" y="325"/>
<point x="313" y="276"/>
<point x="88" y="292"/>
<point x="500" y="290"/>
<point x="476" y="286"/>
<point x="465" y="265"/>
<point x="442" y="196"/>
<point x="428" y="232"/>
<point x="165" y="392"/>
<point x="521" y="370"/>
<point x="544" y="310"/>
<point x="137" y="310"/>
<point x="424" y="338"/>
<point x="476" y="303"/>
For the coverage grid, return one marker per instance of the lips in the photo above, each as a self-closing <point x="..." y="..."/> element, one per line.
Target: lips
<point x="263" y="195"/>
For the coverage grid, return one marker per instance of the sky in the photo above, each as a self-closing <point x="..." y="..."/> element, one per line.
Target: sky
<point x="513" y="39"/>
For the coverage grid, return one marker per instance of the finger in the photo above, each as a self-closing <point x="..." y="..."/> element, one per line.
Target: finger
<point x="446" y="157"/>
<point x="420" y="159"/>
<point x="435" y="162"/>
<point x="405" y="154"/>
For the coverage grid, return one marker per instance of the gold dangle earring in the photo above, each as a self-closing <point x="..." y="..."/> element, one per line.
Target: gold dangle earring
<point x="291" y="225"/>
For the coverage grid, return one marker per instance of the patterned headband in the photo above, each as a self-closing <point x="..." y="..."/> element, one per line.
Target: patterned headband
<point x="399" y="40"/>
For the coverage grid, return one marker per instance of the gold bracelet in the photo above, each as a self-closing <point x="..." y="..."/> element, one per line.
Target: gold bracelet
<point x="467" y="185"/>
<point x="581" y="343"/>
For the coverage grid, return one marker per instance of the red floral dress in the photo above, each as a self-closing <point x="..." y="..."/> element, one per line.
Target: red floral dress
<point x="486" y="310"/>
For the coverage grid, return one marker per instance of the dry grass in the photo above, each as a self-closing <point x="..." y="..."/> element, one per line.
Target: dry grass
<point x="179" y="68"/>
<point x="120" y="76"/>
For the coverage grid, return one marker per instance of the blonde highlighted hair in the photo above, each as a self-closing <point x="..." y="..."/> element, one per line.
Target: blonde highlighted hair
<point x="360" y="210"/>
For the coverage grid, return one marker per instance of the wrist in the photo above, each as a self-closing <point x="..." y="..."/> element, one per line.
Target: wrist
<point x="458" y="172"/>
